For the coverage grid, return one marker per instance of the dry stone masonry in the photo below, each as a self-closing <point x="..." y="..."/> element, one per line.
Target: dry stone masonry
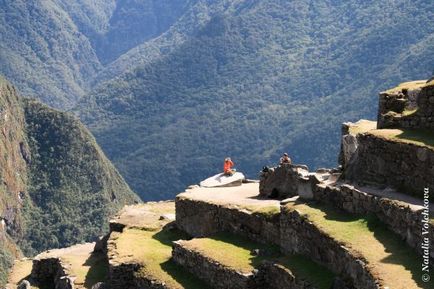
<point x="379" y="161"/>
<point x="401" y="217"/>
<point x="200" y="218"/>
<point x="290" y="209"/>
<point x="281" y="182"/>
<point x="409" y="106"/>
<point x="209" y="270"/>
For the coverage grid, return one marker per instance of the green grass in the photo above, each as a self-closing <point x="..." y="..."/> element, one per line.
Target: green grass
<point x="305" y="268"/>
<point x="233" y="251"/>
<point x="383" y="249"/>
<point x="154" y="251"/>
<point x="268" y="212"/>
<point x="421" y="137"/>
<point x="408" y="85"/>
<point x="408" y="112"/>
<point x="97" y="272"/>
<point x="236" y="253"/>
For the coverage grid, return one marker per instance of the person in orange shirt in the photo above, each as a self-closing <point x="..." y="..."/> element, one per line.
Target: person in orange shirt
<point x="227" y="167"/>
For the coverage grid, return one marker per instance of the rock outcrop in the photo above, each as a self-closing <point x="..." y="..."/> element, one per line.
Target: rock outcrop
<point x="282" y="181"/>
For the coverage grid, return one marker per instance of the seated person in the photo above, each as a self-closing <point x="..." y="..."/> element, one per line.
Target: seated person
<point x="227" y="167"/>
<point x="285" y="159"/>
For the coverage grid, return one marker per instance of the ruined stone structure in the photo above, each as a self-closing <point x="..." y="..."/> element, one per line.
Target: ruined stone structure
<point x="380" y="161"/>
<point x="410" y="105"/>
<point x="357" y="227"/>
<point x="405" y="219"/>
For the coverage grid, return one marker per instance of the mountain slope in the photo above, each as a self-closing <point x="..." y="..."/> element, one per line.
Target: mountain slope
<point x="13" y="173"/>
<point x="250" y="80"/>
<point x="57" y="188"/>
<point x="53" y="49"/>
<point x="43" y="52"/>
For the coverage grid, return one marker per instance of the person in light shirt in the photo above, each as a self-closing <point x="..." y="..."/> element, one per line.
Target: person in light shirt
<point x="285" y="159"/>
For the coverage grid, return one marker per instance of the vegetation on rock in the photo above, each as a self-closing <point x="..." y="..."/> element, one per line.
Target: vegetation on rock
<point x="58" y="188"/>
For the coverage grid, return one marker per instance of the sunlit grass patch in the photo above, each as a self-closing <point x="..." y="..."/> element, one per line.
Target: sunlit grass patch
<point x="266" y="211"/>
<point x="385" y="251"/>
<point x="419" y="137"/>
<point x="236" y="253"/>
<point x="154" y="251"/>
<point x="408" y="85"/>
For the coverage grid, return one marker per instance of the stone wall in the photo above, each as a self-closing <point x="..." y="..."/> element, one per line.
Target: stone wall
<point x="52" y="271"/>
<point x="269" y="275"/>
<point x="275" y="276"/>
<point x="406" y="167"/>
<point x="210" y="271"/>
<point x="348" y="145"/>
<point x="299" y="235"/>
<point x="127" y="275"/>
<point x="400" y="217"/>
<point x="281" y="182"/>
<point x="201" y="219"/>
<point x="392" y="106"/>
<point x="121" y="275"/>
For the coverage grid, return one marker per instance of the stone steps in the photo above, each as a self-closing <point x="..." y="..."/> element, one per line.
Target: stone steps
<point x="357" y="247"/>
<point x="229" y="262"/>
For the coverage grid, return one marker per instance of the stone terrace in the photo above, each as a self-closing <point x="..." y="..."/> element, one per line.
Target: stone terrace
<point x="229" y="261"/>
<point x="356" y="247"/>
<point x="139" y="250"/>
<point x="399" y="158"/>
<point x="76" y="267"/>
<point x="239" y="210"/>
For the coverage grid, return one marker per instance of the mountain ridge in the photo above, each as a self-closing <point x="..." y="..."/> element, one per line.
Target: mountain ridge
<point x="57" y="188"/>
<point x="246" y="69"/>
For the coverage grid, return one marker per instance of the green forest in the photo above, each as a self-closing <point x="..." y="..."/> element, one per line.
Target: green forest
<point x="169" y="88"/>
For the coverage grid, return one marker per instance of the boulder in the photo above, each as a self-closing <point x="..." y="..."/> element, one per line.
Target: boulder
<point x="282" y="182"/>
<point x="222" y="180"/>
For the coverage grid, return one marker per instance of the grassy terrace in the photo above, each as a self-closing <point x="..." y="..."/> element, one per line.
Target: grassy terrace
<point x="392" y="260"/>
<point x="89" y="269"/>
<point x="418" y="137"/>
<point x="20" y="271"/>
<point x="153" y="249"/>
<point x="236" y="253"/>
<point x="409" y="85"/>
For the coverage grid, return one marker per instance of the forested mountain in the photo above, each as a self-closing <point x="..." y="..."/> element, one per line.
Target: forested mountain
<point x="57" y="187"/>
<point x="172" y="87"/>
<point x="53" y="49"/>
<point x="43" y="53"/>
<point x="251" y="79"/>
